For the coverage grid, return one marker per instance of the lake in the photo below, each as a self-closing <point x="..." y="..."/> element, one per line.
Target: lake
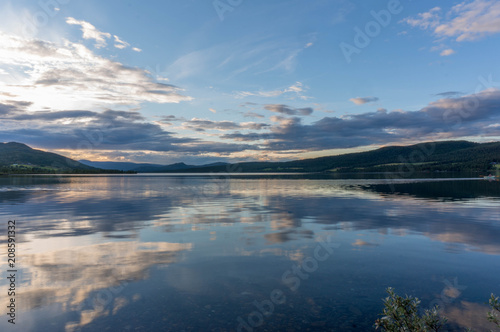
<point x="245" y="253"/>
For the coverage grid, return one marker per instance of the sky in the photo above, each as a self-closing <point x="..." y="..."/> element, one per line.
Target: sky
<point x="200" y="81"/>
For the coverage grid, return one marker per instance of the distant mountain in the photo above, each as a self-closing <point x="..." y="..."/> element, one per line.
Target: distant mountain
<point x="456" y="156"/>
<point x="176" y="167"/>
<point x="162" y="168"/>
<point x="145" y="167"/>
<point x="20" y="158"/>
<point x="122" y="166"/>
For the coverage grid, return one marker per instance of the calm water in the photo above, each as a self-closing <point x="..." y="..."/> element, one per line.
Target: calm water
<point x="198" y="253"/>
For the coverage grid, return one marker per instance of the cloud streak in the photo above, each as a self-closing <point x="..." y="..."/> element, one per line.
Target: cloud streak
<point x="297" y="88"/>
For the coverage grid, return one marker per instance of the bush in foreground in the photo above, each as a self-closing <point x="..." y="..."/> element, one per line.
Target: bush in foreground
<point x="401" y="315"/>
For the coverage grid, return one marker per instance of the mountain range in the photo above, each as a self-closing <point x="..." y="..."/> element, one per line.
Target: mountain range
<point x="145" y="167"/>
<point x="454" y="156"/>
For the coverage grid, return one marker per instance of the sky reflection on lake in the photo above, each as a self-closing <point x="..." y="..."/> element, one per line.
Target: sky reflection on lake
<point x="195" y="253"/>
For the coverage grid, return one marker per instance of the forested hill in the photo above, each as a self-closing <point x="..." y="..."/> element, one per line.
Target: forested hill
<point x="456" y="156"/>
<point x="20" y="158"/>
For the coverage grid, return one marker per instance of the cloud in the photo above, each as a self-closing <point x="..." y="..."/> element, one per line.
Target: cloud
<point x="425" y="20"/>
<point x="120" y="43"/>
<point x="202" y="125"/>
<point x="449" y="94"/>
<point x="466" y="21"/>
<point x="253" y="115"/>
<point x="68" y="129"/>
<point x="363" y="100"/>
<point x="297" y="88"/>
<point x="447" y="52"/>
<point x="101" y="38"/>
<point x="77" y="76"/>
<point x="90" y="32"/>
<point x="447" y="118"/>
<point x="284" y="109"/>
<point x="111" y="130"/>
<point x="167" y="119"/>
<point x="247" y="55"/>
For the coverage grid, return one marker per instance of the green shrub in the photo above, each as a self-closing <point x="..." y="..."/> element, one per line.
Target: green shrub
<point x="495" y="308"/>
<point x="401" y="315"/>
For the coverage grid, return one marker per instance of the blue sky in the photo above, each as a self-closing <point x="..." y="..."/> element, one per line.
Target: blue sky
<point x="234" y="80"/>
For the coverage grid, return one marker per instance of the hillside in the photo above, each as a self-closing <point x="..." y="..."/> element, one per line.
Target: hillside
<point x="19" y="158"/>
<point x="455" y="156"/>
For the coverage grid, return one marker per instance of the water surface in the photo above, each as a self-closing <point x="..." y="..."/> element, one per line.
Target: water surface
<point x="218" y="253"/>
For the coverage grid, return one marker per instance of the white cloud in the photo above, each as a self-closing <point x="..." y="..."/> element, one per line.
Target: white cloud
<point x="72" y="76"/>
<point x="266" y="94"/>
<point x="90" y="32"/>
<point x="120" y="43"/>
<point x="466" y="21"/>
<point x="425" y="20"/>
<point x="101" y="38"/>
<point x="447" y="52"/>
<point x="473" y="20"/>
<point x="363" y="100"/>
<point x="212" y="110"/>
<point x="297" y="88"/>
